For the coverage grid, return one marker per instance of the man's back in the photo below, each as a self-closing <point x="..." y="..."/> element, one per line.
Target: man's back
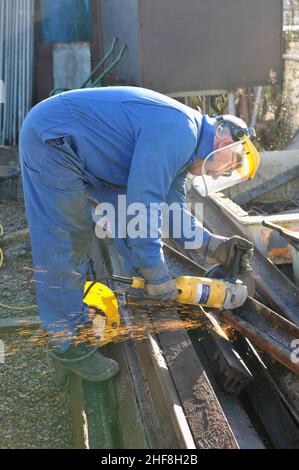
<point x="105" y="125"/>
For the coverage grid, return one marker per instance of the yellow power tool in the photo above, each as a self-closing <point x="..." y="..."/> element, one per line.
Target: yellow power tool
<point x="193" y="290"/>
<point x="222" y="289"/>
<point x="201" y="291"/>
<point x="106" y="321"/>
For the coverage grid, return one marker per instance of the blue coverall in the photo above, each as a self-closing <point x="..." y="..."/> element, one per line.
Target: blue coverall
<point x="100" y="143"/>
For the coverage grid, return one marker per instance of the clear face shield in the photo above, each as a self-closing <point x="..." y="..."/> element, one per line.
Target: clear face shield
<point x="228" y="166"/>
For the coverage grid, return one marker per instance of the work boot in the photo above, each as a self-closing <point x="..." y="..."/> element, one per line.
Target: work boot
<point x="86" y="361"/>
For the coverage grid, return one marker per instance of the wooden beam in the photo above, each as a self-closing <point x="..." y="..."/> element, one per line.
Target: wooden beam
<point x="12" y="324"/>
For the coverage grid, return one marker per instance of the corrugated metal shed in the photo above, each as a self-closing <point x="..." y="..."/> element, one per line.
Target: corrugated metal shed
<point x="16" y="66"/>
<point x="66" y="20"/>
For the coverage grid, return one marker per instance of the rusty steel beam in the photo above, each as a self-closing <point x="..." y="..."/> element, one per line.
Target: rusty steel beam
<point x="291" y="236"/>
<point x="232" y="373"/>
<point x="278" y="346"/>
<point x="272" y="409"/>
<point x="268" y="330"/>
<point x="271" y="283"/>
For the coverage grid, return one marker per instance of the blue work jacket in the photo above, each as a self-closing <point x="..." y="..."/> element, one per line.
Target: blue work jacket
<point x="136" y="140"/>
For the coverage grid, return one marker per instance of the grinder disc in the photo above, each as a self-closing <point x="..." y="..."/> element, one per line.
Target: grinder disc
<point x="218" y="272"/>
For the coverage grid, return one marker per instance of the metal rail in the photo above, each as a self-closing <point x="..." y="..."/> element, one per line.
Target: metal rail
<point x="272" y="284"/>
<point x="78" y="416"/>
<point x="268" y="330"/>
<point x="270" y="409"/>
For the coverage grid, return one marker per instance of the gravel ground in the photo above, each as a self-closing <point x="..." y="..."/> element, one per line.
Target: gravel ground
<point x="17" y="287"/>
<point x="33" y="412"/>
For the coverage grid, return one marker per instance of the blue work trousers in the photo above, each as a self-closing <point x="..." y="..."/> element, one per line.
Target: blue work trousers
<point x="56" y="192"/>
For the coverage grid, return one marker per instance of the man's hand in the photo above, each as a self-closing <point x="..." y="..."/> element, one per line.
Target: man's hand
<point x="159" y="284"/>
<point x="164" y="291"/>
<point x="222" y="250"/>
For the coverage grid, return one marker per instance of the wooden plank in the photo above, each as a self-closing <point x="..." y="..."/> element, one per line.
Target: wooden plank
<point x="173" y="405"/>
<point x="129" y="415"/>
<point x="14" y="237"/>
<point x="205" y="416"/>
<point x="173" y="426"/>
<point x="98" y="406"/>
<point x="78" y="417"/>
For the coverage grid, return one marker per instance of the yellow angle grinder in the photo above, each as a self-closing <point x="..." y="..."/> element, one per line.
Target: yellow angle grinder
<point x="201" y="291"/>
<point x="221" y="289"/>
<point x="106" y="321"/>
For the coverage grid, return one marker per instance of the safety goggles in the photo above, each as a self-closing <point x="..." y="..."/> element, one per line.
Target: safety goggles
<point x="228" y="166"/>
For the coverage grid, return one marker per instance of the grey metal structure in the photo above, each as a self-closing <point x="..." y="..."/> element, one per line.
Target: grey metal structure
<point x="16" y="63"/>
<point x="182" y="46"/>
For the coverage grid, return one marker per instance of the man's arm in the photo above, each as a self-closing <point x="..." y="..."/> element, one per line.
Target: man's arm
<point x="215" y="247"/>
<point x="183" y="226"/>
<point x="161" y="151"/>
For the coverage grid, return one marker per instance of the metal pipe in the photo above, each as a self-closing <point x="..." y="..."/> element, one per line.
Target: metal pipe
<point x="295" y="58"/>
<point x="256" y="106"/>
<point x="280" y="292"/>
